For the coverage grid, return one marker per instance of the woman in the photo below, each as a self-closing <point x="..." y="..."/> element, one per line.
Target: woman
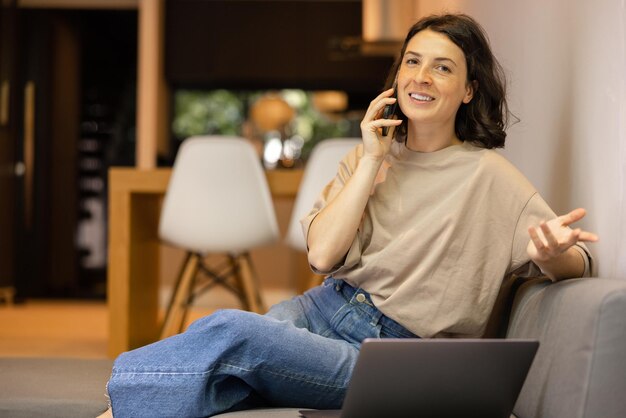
<point x="416" y="232"/>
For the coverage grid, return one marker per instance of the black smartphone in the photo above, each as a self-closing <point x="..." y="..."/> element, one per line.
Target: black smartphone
<point x="390" y="109"/>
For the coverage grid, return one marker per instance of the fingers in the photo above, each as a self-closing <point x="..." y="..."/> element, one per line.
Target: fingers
<point x="574" y="216"/>
<point x="372" y="120"/>
<point x="379" y="123"/>
<point x="391" y="129"/>
<point x="545" y="241"/>
<point x="550" y="242"/>
<point x="375" y="109"/>
<point x="378" y="109"/>
<point x="374" y="112"/>
<point x="375" y="142"/>
<point x="535" y="238"/>
<point x="587" y="237"/>
<point x="553" y="238"/>
<point x="547" y="233"/>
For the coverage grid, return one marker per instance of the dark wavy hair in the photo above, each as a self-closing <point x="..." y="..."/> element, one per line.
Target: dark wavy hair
<point x="484" y="119"/>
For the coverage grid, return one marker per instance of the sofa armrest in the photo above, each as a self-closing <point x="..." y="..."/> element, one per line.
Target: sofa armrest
<point x="579" y="370"/>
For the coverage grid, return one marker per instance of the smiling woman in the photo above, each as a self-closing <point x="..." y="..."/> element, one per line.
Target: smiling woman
<point x="416" y="236"/>
<point x="432" y="84"/>
<point x="482" y="120"/>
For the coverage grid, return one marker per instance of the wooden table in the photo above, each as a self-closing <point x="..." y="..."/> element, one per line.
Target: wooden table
<point x="133" y="251"/>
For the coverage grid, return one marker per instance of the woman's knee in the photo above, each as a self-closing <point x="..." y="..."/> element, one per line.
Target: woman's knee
<point x="227" y="321"/>
<point x="208" y="338"/>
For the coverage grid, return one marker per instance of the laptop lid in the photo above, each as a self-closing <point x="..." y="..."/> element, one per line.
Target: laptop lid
<point x="436" y="378"/>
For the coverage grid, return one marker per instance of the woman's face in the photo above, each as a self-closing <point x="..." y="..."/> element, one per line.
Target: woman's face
<point x="432" y="79"/>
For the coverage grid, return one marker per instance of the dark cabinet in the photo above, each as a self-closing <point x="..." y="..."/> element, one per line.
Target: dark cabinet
<point x="269" y="44"/>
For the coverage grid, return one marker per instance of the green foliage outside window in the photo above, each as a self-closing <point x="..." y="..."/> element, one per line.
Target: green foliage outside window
<point x="223" y="112"/>
<point x="218" y="112"/>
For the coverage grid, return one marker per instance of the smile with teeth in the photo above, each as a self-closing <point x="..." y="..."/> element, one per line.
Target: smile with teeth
<point x="421" y="97"/>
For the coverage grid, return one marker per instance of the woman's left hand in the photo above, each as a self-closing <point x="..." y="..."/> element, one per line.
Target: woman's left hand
<point x="551" y="239"/>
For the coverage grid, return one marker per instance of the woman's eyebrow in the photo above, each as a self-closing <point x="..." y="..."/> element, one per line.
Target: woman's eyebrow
<point x="438" y="59"/>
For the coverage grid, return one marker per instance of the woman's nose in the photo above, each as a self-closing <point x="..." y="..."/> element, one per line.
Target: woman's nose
<point x="422" y="75"/>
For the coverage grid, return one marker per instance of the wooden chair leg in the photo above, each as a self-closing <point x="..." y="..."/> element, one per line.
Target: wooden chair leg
<point x="187" y="301"/>
<point x="179" y="278"/>
<point x="250" y="284"/>
<point x="178" y="303"/>
<point x="238" y="283"/>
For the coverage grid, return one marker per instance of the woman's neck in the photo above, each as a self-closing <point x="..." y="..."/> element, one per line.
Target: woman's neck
<point x="430" y="138"/>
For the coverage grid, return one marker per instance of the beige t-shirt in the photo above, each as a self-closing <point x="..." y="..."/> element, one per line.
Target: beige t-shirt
<point x="439" y="233"/>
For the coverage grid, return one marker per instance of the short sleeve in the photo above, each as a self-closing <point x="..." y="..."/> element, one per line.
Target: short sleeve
<point x="587" y="258"/>
<point x="345" y="170"/>
<point x="535" y="211"/>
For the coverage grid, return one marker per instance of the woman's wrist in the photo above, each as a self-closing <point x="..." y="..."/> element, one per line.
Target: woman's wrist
<point x="371" y="161"/>
<point x="568" y="264"/>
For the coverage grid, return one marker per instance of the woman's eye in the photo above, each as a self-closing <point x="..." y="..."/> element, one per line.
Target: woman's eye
<point x="443" y="68"/>
<point x="411" y="61"/>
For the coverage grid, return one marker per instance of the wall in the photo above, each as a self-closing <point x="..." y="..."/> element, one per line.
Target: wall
<point x="566" y="63"/>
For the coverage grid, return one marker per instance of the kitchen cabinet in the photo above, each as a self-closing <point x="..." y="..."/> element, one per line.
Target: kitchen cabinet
<point x="311" y="45"/>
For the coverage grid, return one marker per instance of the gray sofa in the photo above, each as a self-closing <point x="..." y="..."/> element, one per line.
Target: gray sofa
<point x="579" y="370"/>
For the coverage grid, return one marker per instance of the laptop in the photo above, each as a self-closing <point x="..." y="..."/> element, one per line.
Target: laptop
<point x="441" y="378"/>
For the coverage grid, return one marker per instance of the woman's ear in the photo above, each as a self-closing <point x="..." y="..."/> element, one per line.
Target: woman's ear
<point x="471" y="89"/>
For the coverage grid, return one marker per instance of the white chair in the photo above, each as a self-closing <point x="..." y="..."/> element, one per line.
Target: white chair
<point x="319" y="171"/>
<point x="217" y="201"/>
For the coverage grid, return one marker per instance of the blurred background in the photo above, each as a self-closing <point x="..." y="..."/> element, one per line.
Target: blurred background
<point x="267" y="70"/>
<point x="86" y="85"/>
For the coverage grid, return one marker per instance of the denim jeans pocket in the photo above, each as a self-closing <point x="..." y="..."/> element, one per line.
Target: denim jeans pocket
<point x="353" y="324"/>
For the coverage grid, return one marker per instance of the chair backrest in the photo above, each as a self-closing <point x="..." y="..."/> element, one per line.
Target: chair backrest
<point x="218" y="199"/>
<point x="320" y="169"/>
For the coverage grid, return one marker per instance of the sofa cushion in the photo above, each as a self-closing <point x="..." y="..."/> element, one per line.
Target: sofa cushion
<point x="263" y="413"/>
<point x="579" y="370"/>
<point x="53" y="387"/>
<point x="273" y="413"/>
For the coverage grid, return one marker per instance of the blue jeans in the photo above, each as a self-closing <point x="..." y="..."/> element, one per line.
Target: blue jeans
<point x="300" y="354"/>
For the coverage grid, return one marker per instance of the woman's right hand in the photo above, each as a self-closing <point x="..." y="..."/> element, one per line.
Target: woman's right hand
<point x="375" y="145"/>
